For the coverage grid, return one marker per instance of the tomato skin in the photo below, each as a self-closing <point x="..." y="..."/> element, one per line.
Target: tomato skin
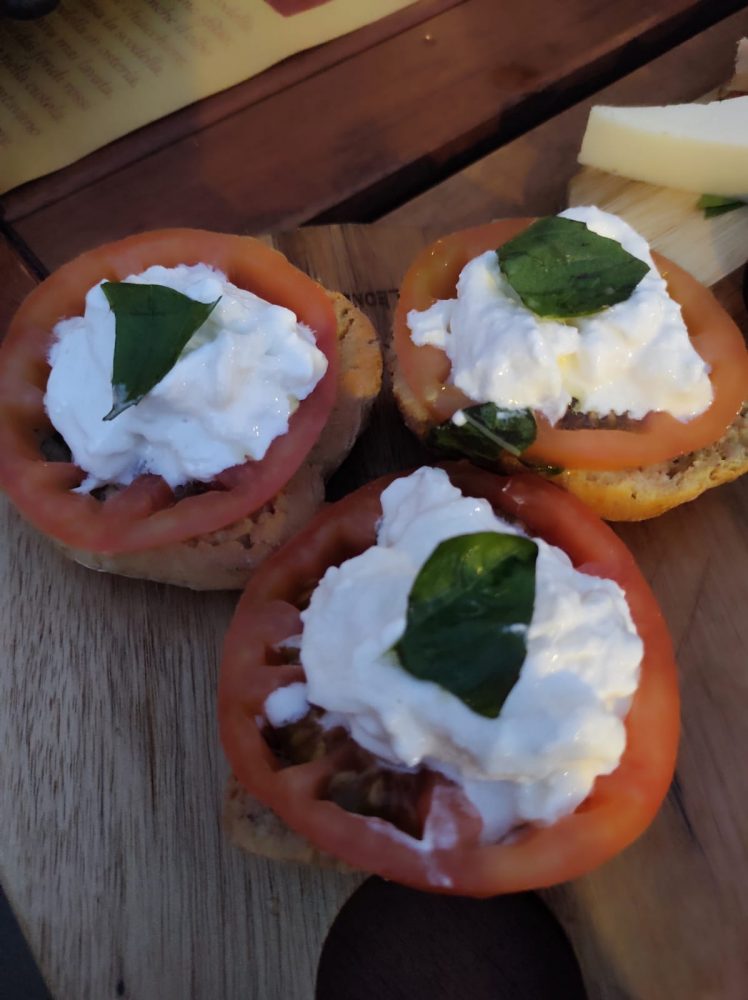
<point x="657" y="438"/>
<point x="144" y="515"/>
<point x="621" y="804"/>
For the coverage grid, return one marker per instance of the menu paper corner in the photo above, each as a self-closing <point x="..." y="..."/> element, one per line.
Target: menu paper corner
<point x="94" y="70"/>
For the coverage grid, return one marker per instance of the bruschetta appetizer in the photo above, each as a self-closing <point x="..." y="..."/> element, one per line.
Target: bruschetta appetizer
<point x="170" y="404"/>
<point x="455" y="680"/>
<point x="563" y="344"/>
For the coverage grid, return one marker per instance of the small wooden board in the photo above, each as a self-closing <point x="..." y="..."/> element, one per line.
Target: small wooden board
<point x="711" y="249"/>
<point x="111" y="774"/>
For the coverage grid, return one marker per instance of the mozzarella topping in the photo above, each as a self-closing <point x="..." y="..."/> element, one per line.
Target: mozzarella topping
<point x="560" y="727"/>
<point x="229" y="395"/>
<point x="630" y="358"/>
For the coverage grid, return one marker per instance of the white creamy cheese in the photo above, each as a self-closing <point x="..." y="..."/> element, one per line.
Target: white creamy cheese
<point x="286" y="705"/>
<point x="633" y="357"/>
<point x="230" y="394"/>
<point x="560" y="727"/>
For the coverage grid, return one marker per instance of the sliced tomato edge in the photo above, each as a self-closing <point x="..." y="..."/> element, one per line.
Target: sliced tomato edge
<point x="622" y="804"/>
<point x="728" y="352"/>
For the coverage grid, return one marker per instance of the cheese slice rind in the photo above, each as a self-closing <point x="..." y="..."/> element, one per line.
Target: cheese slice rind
<point x="696" y="147"/>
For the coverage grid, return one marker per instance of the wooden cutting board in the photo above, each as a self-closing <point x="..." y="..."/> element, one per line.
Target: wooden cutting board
<point x="111" y="773"/>
<point x="711" y="249"/>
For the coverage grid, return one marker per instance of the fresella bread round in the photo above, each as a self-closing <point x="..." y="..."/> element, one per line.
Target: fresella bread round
<point x="205" y="386"/>
<point x="453" y="679"/>
<point x="574" y="329"/>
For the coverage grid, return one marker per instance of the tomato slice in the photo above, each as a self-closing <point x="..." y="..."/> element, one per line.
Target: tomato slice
<point x="659" y="437"/>
<point x="146" y="514"/>
<point x="449" y="858"/>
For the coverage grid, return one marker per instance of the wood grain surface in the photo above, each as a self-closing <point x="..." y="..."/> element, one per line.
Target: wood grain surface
<point x="111" y="774"/>
<point x="671" y="220"/>
<point x="390" y="117"/>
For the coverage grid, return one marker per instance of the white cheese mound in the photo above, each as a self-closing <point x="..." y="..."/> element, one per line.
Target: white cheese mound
<point x="560" y="727"/>
<point x="631" y="358"/>
<point x="286" y="705"/>
<point x="229" y="395"/>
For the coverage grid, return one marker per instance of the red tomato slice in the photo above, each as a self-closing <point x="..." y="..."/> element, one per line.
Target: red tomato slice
<point x="659" y="437"/>
<point x="145" y="514"/>
<point x="621" y="804"/>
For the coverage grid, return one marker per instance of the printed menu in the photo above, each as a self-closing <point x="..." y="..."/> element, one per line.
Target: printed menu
<point x="94" y="70"/>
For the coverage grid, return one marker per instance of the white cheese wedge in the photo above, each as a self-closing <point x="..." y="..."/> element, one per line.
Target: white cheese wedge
<point x="696" y="147"/>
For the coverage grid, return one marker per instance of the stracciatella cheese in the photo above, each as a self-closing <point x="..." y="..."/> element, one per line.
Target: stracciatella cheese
<point x="631" y="358"/>
<point x="560" y="727"/>
<point x="229" y="395"/>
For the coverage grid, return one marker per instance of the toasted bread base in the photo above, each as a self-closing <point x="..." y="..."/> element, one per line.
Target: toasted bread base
<point x="629" y="494"/>
<point x="255" y="828"/>
<point x="224" y="559"/>
<point x="638" y="494"/>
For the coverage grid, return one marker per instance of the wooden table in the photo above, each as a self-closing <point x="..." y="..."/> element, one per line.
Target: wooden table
<point x="111" y="852"/>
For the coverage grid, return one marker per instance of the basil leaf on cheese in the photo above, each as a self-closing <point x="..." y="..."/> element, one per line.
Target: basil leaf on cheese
<point x="560" y="268"/>
<point x="717" y="204"/>
<point x="482" y="432"/>
<point x="152" y="325"/>
<point x="468" y="612"/>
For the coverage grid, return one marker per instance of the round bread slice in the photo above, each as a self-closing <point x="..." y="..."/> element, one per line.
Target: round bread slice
<point x="629" y="494"/>
<point x="224" y="559"/>
<point x="637" y="494"/>
<point x="254" y="828"/>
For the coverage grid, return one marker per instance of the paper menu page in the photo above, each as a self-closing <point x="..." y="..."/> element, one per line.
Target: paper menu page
<point x="94" y="70"/>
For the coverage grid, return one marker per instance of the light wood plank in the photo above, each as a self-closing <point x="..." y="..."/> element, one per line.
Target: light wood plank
<point x="110" y="789"/>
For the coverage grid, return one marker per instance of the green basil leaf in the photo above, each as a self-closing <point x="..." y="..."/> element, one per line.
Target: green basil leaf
<point x="717" y="204"/>
<point x="152" y="325"/>
<point x="485" y="432"/>
<point x="468" y="612"/>
<point x="560" y="268"/>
